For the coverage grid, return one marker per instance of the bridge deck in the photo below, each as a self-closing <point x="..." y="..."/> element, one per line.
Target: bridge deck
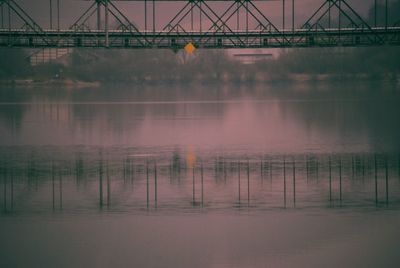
<point x="208" y="39"/>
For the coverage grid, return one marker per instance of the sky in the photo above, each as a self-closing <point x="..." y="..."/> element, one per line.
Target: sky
<point x="72" y="9"/>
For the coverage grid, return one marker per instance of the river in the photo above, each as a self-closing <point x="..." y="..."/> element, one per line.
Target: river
<point x="288" y="174"/>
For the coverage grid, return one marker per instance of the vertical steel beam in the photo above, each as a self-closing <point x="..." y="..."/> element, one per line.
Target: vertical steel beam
<point x="145" y="15"/>
<point x="386" y="14"/>
<point x="293" y="16"/>
<point x="154" y="17"/>
<point x="329" y="13"/>
<point x="340" y="17"/>
<point x="283" y="20"/>
<point x="237" y="16"/>
<point x="98" y="15"/>
<point x="283" y="14"/>
<point x="2" y="15"/>
<point x="51" y="14"/>
<point x="375" y="12"/>
<point x="58" y="15"/>
<point x="106" y="21"/>
<point x="191" y="16"/>
<point x="9" y="17"/>
<point x="247" y="22"/>
<point x="200" y="17"/>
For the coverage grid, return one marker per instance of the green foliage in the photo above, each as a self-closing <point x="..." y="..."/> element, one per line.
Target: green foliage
<point x="117" y="65"/>
<point x="204" y="65"/>
<point x="13" y="63"/>
<point x="149" y="64"/>
<point x="378" y="60"/>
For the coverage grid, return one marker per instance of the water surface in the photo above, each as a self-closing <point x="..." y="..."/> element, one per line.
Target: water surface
<point x="298" y="174"/>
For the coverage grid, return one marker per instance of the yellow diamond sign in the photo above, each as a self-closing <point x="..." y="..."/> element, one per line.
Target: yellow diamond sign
<point x="190" y="157"/>
<point x="190" y="48"/>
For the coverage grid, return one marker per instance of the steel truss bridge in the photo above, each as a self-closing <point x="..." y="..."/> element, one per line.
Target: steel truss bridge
<point x="234" y="24"/>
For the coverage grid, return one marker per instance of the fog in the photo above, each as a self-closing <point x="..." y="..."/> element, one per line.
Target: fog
<point x="70" y="10"/>
<point x="162" y="158"/>
<point x="205" y="65"/>
<point x="151" y="65"/>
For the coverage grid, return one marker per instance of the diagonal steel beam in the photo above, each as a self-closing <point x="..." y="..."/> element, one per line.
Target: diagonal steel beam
<point x="219" y="18"/>
<point x="184" y="13"/>
<point x="84" y="16"/>
<point x="223" y="22"/>
<point x="309" y="26"/>
<point x="316" y="12"/>
<point x="270" y="24"/>
<point x="360" y="18"/>
<point x="129" y="23"/>
<point x="337" y="4"/>
<point x="24" y="16"/>
<point x="171" y="24"/>
<point x="2" y="14"/>
<point x="116" y="13"/>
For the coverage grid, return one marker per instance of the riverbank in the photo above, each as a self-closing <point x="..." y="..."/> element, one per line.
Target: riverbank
<point x="51" y="82"/>
<point x="224" y="78"/>
<point x="260" y="77"/>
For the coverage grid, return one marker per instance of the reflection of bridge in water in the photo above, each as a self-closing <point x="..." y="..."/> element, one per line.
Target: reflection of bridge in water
<point x="86" y="181"/>
<point x="234" y="24"/>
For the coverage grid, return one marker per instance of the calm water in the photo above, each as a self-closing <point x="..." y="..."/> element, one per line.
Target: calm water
<point x="285" y="175"/>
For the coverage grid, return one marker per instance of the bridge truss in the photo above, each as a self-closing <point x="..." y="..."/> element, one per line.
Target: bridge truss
<point x="234" y="24"/>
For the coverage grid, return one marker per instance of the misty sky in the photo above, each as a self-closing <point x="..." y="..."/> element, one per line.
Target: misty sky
<point x="72" y="9"/>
